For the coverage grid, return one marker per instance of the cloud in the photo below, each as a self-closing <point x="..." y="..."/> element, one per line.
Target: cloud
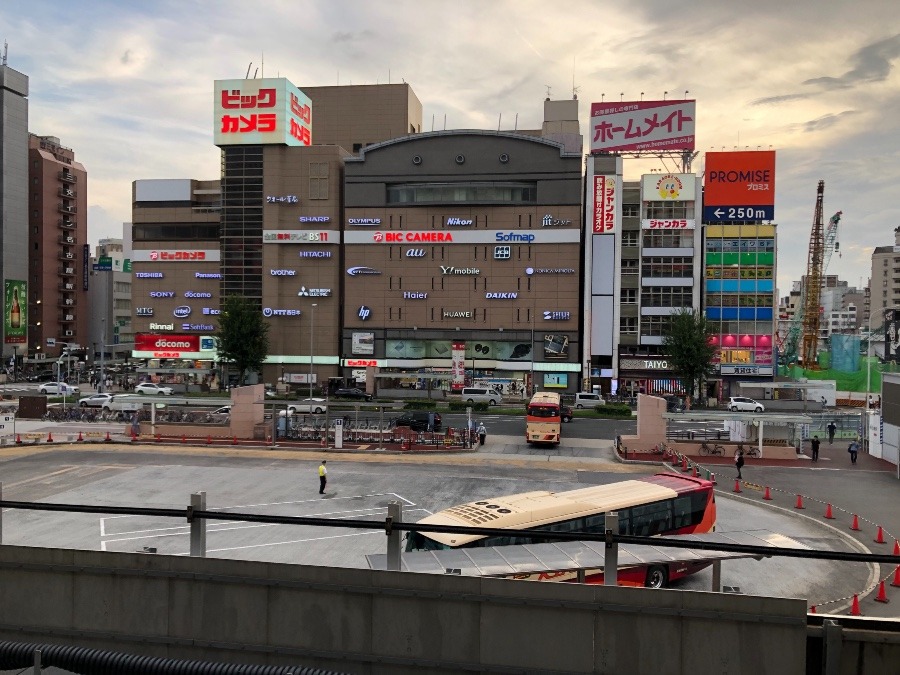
<point x="827" y="121"/>
<point x="872" y="64"/>
<point x="783" y="98"/>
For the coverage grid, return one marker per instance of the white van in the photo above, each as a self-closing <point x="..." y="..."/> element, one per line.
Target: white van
<point x="481" y="395"/>
<point x="584" y="400"/>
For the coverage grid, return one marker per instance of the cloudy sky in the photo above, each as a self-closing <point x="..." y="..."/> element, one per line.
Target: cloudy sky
<point x="129" y="85"/>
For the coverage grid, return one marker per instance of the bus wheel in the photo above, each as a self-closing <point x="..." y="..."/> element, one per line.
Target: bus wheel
<point x="657" y="577"/>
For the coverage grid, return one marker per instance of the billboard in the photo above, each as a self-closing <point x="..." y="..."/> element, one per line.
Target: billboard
<point x="668" y="187"/>
<point x="458" y="365"/>
<point x="739" y="186"/>
<point x="605" y="196"/>
<point x="262" y="111"/>
<point x="363" y="343"/>
<point x="643" y="126"/>
<point x="892" y="335"/>
<point x="15" y="313"/>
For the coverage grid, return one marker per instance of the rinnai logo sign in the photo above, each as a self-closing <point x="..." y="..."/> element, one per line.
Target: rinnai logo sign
<point x="148" y="342"/>
<point x="301" y="237"/>
<point x="668" y="224"/>
<point x="635" y="126"/>
<point x="162" y="326"/>
<point x="261" y="111"/>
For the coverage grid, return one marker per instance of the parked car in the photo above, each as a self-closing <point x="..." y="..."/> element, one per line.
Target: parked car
<point x="742" y="404"/>
<point x="353" y="392"/>
<point x="565" y="412"/>
<point x="95" y="400"/>
<point x="586" y="400"/>
<point x="309" y="405"/>
<point x="152" y="388"/>
<point x="58" y="388"/>
<point x="481" y="395"/>
<point x="43" y="376"/>
<point x="419" y="420"/>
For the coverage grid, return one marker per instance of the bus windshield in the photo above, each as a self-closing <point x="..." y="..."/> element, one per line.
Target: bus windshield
<point x="543" y="411"/>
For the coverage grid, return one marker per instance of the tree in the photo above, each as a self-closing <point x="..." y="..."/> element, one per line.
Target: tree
<point x="687" y="343"/>
<point x="243" y="336"/>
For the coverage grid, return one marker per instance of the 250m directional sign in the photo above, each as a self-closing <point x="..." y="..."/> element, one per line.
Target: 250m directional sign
<point x="716" y="214"/>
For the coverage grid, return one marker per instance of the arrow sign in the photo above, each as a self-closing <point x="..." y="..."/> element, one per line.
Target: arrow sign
<point x="738" y="213"/>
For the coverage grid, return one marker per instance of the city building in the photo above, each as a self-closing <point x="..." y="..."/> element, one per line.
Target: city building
<point x="15" y="245"/>
<point x="109" y="299"/>
<point x="884" y="284"/>
<point x="58" y="249"/>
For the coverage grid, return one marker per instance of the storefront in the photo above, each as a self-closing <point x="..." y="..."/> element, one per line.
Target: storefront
<point x="647" y="375"/>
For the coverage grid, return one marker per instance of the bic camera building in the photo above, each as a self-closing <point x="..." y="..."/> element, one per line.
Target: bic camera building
<point x="428" y="260"/>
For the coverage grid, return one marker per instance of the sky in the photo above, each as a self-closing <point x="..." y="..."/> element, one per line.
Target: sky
<point x="128" y="85"/>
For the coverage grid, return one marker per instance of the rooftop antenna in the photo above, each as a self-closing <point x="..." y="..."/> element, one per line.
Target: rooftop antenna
<point x="445" y="121"/>
<point x="548" y="91"/>
<point x="432" y="121"/>
<point x="262" y="57"/>
<point x="255" y="73"/>
<point x="5" y="52"/>
<point x="499" y="117"/>
<point x="249" y="66"/>
<point x="516" y="127"/>
<point x="574" y="88"/>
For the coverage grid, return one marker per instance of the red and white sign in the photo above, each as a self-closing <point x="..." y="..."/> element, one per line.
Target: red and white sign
<point x="301" y="237"/>
<point x="457" y="365"/>
<point x="361" y="363"/>
<point x="636" y="126"/>
<point x="174" y="255"/>
<point x="174" y="344"/>
<point x="668" y="187"/>
<point x="263" y="111"/>
<point x="604" y="204"/>
<point x="745" y="178"/>
<point x="668" y="224"/>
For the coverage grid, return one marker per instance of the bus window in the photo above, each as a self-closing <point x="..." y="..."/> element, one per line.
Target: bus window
<point x="543" y="411"/>
<point x="683" y="511"/>
<point x="416" y="541"/>
<point x="651" y="519"/>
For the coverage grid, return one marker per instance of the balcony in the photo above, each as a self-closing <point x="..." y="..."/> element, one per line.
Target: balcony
<point x="67" y="177"/>
<point x="67" y="223"/>
<point x="66" y="239"/>
<point x="66" y="193"/>
<point x="66" y="256"/>
<point x="66" y="286"/>
<point x="67" y="209"/>
<point x="67" y="317"/>
<point x="66" y="271"/>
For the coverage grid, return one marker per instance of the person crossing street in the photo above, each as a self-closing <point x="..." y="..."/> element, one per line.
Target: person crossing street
<point x="323" y="477"/>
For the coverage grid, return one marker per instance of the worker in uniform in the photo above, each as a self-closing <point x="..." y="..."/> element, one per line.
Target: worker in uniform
<point x="323" y="477"/>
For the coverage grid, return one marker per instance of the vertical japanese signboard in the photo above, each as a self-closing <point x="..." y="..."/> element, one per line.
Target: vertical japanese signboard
<point x="15" y="313"/>
<point x="604" y="204"/>
<point x="263" y="111"/>
<point x="649" y="126"/>
<point x="457" y="365"/>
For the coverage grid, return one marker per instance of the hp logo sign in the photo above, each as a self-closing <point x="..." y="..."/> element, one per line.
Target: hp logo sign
<point x="364" y="313"/>
<point x="415" y="253"/>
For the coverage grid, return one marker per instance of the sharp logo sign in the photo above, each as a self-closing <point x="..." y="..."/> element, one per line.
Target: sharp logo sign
<point x="357" y="271"/>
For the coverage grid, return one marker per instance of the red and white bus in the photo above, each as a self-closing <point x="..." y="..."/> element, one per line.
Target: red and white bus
<point x="663" y="504"/>
<point x="543" y="421"/>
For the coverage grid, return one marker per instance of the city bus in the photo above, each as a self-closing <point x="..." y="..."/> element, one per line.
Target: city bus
<point x="542" y="418"/>
<point x="663" y="504"/>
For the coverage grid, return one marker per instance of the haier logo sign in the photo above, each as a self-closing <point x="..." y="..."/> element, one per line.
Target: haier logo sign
<point x="557" y="316"/>
<point x="460" y="221"/>
<point x="414" y="295"/>
<point x="364" y="313"/>
<point x="144" y="311"/>
<point x="182" y="312"/>
<point x="416" y="253"/>
<point x="356" y="271"/>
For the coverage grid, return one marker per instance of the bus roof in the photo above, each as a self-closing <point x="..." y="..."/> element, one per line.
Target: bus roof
<point x="542" y="507"/>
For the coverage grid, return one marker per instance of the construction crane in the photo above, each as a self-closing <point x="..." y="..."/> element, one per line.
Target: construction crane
<point x="811" y="303"/>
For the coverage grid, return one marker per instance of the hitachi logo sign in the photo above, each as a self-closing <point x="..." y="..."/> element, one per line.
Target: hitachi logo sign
<point x="459" y="270"/>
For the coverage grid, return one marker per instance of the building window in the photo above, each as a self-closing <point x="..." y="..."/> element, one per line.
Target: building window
<point x="661" y="296"/>
<point x="654" y="239"/>
<point x="318" y="180"/>
<point x="462" y="193"/>
<point x="666" y="267"/>
<point x="628" y="325"/>
<point x="670" y="210"/>
<point x="630" y="266"/>
<point x="631" y="210"/>
<point x="502" y="252"/>
<point x="629" y="238"/>
<point x="629" y="296"/>
<point x="655" y="325"/>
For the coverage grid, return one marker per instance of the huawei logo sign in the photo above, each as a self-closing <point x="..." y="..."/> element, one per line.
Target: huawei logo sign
<point x="378" y="236"/>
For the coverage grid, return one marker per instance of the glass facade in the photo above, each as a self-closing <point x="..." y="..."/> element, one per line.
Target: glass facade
<point x="242" y="221"/>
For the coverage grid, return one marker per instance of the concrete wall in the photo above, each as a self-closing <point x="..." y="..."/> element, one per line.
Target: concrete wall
<point x="363" y="621"/>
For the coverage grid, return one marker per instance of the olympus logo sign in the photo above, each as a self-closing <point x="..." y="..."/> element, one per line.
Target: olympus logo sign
<point x="459" y="270"/>
<point x="364" y="221"/>
<point x="416" y="253"/>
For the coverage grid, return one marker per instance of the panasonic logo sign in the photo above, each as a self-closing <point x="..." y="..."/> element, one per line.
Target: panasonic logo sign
<point x="202" y="275"/>
<point x="445" y="269"/>
<point x="501" y="296"/>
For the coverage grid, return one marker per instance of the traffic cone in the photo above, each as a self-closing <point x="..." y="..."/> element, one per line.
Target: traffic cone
<point x="767" y="496"/>
<point x="896" y="547"/>
<point x="49" y="437"/>
<point x="879" y="538"/>
<point x="18" y="439"/>
<point x="737" y="485"/>
<point x="812" y="609"/>
<point x="828" y="513"/>
<point x="209" y="440"/>
<point x="684" y="463"/>
<point x="799" y="504"/>
<point x="855" y="524"/>
<point x="882" y="596"/>
<point x="183" y="439"/>
<point x="107" y="439"/>
<point x="158" y="438"/>
<point x="896" y="581"/>
<point x="854" y="608"/>
<point x="696" y="472"/>
<point x="712" y="478"/>
<point x="80" y="438"/>
<point x="234" y="440"/>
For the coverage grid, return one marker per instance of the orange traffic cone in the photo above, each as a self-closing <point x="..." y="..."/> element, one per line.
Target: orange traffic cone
<point x="49" y="437"/>
<point x="855" y="524"/>
<point x="882" y="596"/>
<point x="696" y="471"/>
<point x="896" y="581"/>
<point x="18" y="439"/>
<point x="896" y="547"/>
<point x="879" y="538"/>
<point x="684" y="463"/>
<point x="234" y="440"/>
<point x="799" y="504"/>
<point x="854" y="608"/>
<point x="209" y="440"/>
<point x="80" y="438"/>
<point x="737" y="485"/>
<point x="828" y="513"/>
<point x="812" y="610"/>
<point x="107" y="439"/>
<point x="767" y="495"/>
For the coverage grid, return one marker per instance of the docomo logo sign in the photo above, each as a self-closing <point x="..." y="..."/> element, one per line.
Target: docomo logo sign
<point x="667" y="224"/>
<point x="149" y="342"/>
<point x="194" y="294"/>
<point x="283" y="273"/>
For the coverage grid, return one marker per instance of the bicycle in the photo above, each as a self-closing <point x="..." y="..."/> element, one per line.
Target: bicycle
<point x="752" y="451"/>
<point x="715" y="449"/>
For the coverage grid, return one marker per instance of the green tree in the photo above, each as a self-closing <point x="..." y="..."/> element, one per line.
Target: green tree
<point x="243" y="336"/>
<point x="688" y="347"/>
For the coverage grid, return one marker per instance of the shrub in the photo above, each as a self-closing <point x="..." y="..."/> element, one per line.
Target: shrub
<point x="476" y="407"/>
<point x="613" y="410"/>
<point x="420" y="404"/>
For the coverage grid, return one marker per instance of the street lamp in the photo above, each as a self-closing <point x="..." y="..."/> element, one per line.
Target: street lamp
<point x="312" y="322"/>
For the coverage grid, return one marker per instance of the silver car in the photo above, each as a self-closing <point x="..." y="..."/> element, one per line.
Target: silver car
<point x="743" y="404"/>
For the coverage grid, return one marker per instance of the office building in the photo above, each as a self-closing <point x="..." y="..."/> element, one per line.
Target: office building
<point x="109" y="299"/>
<point x="884" y="284"/>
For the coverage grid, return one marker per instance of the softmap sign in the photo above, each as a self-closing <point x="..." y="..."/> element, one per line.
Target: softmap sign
<point x="739" y="186"/>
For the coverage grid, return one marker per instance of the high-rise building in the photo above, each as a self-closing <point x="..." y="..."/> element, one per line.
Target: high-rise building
<point x="14" y="206"/>
<point x="110" y="301"/>
<point x="58" y="250"/>
<point x="884" y="285"/>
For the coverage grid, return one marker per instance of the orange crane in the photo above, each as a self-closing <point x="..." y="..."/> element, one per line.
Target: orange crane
<point x="813" y="286"/>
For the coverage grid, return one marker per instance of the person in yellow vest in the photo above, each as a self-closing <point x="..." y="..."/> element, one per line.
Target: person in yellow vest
<point x="323" y="477"/>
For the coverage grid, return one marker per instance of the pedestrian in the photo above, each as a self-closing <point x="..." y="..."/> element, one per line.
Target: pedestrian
<point x="323" y="477"/>
<point x="853" y="449"/>
<point x="832" y="427"/>
<point x="814" y="444"/>
<point x="739" y="461"/>
<point x="482" y="433"/>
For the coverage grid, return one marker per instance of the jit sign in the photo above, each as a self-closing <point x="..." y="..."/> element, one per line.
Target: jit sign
<point x="261" y="111"/>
